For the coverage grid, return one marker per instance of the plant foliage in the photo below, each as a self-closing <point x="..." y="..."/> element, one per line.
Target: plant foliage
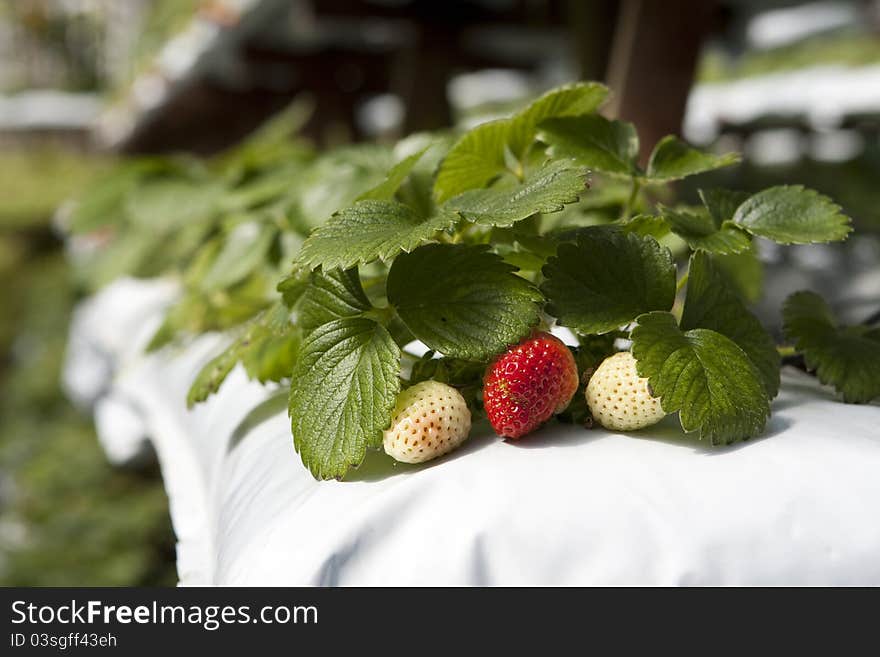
<point x="467" y="244"/>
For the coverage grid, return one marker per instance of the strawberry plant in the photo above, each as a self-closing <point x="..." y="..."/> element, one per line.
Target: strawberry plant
<point x="470" y="244"/>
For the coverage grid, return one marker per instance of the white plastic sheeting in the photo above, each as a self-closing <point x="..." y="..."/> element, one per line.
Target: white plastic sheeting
<point x="822" y="95"/>
<point x="566" y="506"/>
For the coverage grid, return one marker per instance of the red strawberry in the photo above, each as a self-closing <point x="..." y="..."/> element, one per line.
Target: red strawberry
<point x="527" y="384"/>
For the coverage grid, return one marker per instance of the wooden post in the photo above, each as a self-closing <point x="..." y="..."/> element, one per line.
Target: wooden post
<point x="653" y="60"/>
<point x="592" y="30"/>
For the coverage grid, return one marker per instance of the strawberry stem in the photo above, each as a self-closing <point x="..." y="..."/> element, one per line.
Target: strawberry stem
<point x="631" y="201"/>
<point x="682" y="282"/>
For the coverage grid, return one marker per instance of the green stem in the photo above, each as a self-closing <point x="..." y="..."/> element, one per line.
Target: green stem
<point x="677" y="311"/>
<point x="682" y="282"/>
<point x="517" y="170"/>
<point x="631" y="201"/>
<point x="383" y="315"/>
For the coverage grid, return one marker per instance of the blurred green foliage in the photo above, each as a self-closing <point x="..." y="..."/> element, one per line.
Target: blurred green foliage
<point x="34" y="181"/>
<point x="163" y="19"/>
<point x="68" y="517"/>
<point x="849" y="47"/>
<point x="852" y="183"/>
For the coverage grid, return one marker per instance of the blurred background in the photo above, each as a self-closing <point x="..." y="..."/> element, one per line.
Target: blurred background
<point x="85" y="84"/>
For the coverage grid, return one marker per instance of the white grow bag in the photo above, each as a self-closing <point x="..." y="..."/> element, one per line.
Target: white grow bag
<point x="565" y="506"/>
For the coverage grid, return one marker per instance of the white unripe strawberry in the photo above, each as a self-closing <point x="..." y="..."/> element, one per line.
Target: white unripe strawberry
<point x="619" y="399"/>
<point x="429" y="420"/>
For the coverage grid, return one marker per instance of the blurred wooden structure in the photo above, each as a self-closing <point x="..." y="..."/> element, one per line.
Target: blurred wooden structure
<point x="343" y="52"/>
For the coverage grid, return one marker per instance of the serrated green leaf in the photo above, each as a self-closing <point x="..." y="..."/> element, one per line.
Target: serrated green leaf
<point x="548" y="189"/>
<point x="270" y="346"/>
<point x="606" y="279"/>
<point x="462" y="301"/>
<point x="475" y="160"/>
<point x="197" y="313"/>
<point x="337" y="178"/>
<point x="611" y="147"/>
<point x="791" y="214"/>
<point x="417" y="191"/>
<point x="722" y="203"/>
<point x="646" y="224"/>
<point x="711" y="304"/>
<point x="270" y="355"/>
<point x="267" y="347"/>
<point x="343" y="389"/>
<point x="213" y="374"/>
<point x="331" y="295"/>
<point x="367" y="231"/>
<point x="846" y="357"/>
<point x="745" y="273"/>
<point x="492" y="148"/>
<point x="386" y="190"/>
<point x="453" y="371"/>
<point x="569" y="100"/>
<point x="520" y="257"/>
<point x="701" y="232"/>
<point x="672" y="159"/>
<point x="293" y="286"/>
<point x="243" y="252"/>
<point x="703" y="375"/>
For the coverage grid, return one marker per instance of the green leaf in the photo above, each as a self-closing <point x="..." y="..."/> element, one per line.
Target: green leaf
<point x="482" y="154"/>
<point x="269" y="355"/>
<point x="548" y="189"/>
<point x="745" y="273"/>
<point x="270" y="346"/>
<point x="386" y="190"/>
<point x="243" y="252"/>
<point x="343" y="389"/>
<point x="672" y="159"/>
<point x="331" y="295"/>
<point x="711" y="304"/>
<point x="260" y="190"/>
<point x="593" y="141"/>
<point x="125" y="255"/>
<point x="646" y="224"/>
<point x="367" y="231"/>
<point x="701" y="232"/>
<point x="417" y="191"/>
<point x="163" y="203"/>
<point x="606" y="279"/>
<point x="569" y="100"/>
<point x="102" y="203"/>
<point x="474" y="161"/>
<point x="704" y="376"/>
<point x="454" y="371"/>
<point x="722" y="203"/>
<point x="267" y="348"/>
<point x="336" y="179"/>
<point x="293" y="286"/>
<point x="462" y="301"/>
<point x="213" y="374"/>
<point x="791" y="214"/>
<point x="846" y="357"/>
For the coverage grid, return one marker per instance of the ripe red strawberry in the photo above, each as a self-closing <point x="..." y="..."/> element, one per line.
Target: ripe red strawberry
<point x="528" y="384"/>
